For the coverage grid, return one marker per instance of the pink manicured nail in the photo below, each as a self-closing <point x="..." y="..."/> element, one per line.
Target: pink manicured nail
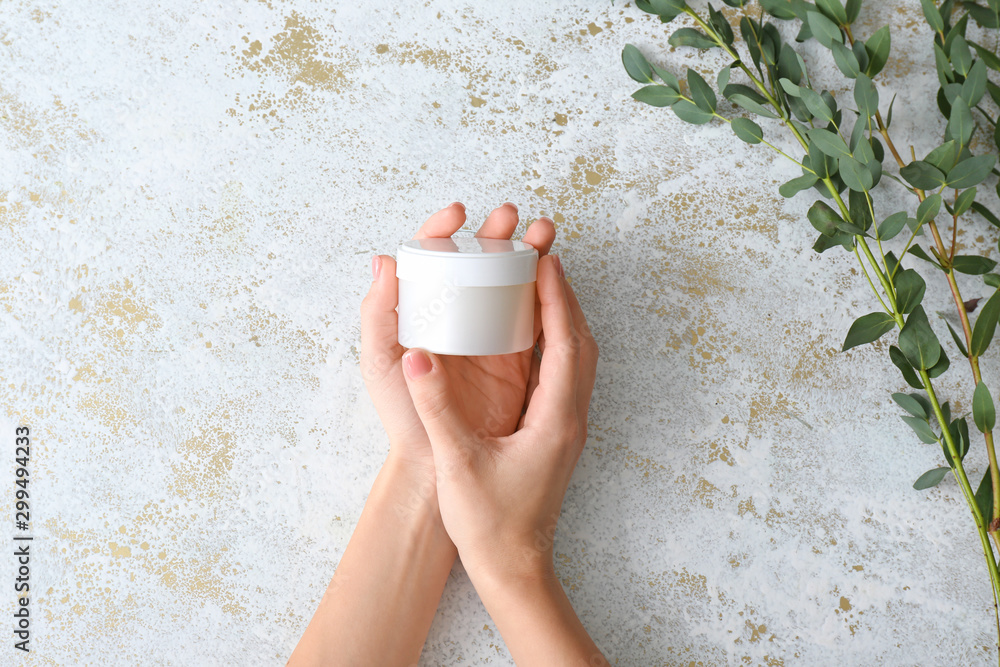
<point x="376" y="267"/>
<point x="459" y="204"/>
<point x="511" y="204"/>
<point x="416" y="363"/>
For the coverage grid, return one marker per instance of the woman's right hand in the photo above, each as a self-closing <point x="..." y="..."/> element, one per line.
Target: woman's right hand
<point x="500" y="496"/>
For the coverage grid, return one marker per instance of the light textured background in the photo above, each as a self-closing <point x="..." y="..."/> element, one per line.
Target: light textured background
<point x="190" y="195"/>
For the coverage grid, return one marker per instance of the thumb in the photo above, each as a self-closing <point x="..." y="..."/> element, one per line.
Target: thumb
<point x="430" y="390"/>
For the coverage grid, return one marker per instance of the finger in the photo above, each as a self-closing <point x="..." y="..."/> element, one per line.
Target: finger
<point x="541" y="234"/>
<point x="532" y="382"/>
<point x="436" y="406"/>
<point x="588" y="352"/>
<point x="500" y="223"/>
<point x="380" y="348"/>
<point x="444" y="223"/>
<point x="554" y="400"/>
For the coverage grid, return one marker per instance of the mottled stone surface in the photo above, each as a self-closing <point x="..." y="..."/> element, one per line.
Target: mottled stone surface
<point x="190" y="196"/>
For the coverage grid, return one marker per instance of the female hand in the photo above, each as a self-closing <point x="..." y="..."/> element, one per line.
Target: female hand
<point x="494" y="384"/>
<point x="500" y="493"/>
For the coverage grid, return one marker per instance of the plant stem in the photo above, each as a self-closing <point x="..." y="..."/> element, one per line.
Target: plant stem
<point x="970" y="497"/>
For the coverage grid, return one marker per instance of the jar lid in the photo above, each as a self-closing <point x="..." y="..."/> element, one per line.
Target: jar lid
<point x="467" y="261"/>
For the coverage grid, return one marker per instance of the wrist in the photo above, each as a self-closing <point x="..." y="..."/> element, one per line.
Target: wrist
<point x="411" y="490"/>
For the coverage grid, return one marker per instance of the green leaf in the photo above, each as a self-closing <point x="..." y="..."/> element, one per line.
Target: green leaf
<point x="910" y="288"/>
<point x="955" y="337"/>
<point x="855" y="175"/>
<point x="823" y="29"/>
<point x="899" y="361"/>
<point x="917" y="251"/>
<point x="918" y="342"/>
<point x="816" y="104"/>
<point x="723" y="78"/>
<point x="829" y="143"/>
<point x="988" y="57"/>
<point x="636" y="64"/>
<point x="892" y="226"/>
<point x="984" y="497"/>
<point x="960" y="122"/>
<point x="690" y="37"/>
<point x="853" y="9"/>
<point x="865" y="96"/>
<point x="932" y="15"/>
<point x="961" y="57"/>
<point x="668" y="8"/>
<point x="964" y="201"/>
<point x="824" y="218"/>
<point x="701" y="92"/>
<point x="974" y="86"/>
<point x="690" y="113"/>
<point x="750" y="132"/>
<point x="970" y="171"/>
<point x="984" y="413"/>
<point x="824" y="243"/>
<point x="747" y="98"/>
<point x="944" y="156"/>
<point x="796" y="185"/>
<point x="912" y="404"/>
<point x="877" y="47"/>
<point x="940" y="367"/>
<point x="922" y="429"/>
<point x="667" y="78"/>
<point x="867" y="329"/>
<point x="779" y="9"/>
<point x="922" y="175"/>
<point x="657" y="96"/>
<point x="846" y="61"/>
<point x="959" y="430"/>
<point x="720" y="25"/>
<point x="984" y="16"/>
<point x="986" y="213"/>
<point x="985" y="326"/>
<point x="973" y="265"/>
<point x="993" y="280"/>
<point x="933" y="477"/>
<point x="928" y="209"/>
<point x="833" y="9"/>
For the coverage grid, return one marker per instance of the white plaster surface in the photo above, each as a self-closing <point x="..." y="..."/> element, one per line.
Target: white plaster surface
<point x="190" y="195"/>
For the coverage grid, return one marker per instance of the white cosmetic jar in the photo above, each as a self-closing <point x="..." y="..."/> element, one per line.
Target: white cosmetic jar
<point x="466" y="296"/>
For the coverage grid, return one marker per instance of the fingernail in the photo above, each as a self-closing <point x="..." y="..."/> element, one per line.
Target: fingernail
<point x="559" y="266"/>
<point x="416" y="363"/>
<point x="376" y="267"/>
<point x="459" y="204"/>
<point x="511" y="204"/>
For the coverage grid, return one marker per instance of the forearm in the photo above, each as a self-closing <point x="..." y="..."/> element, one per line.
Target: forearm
<point x="537" y="621"/>
<point x="379" y="606"/>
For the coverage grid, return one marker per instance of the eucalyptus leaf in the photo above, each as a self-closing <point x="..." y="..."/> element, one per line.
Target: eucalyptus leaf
<point x="960" y="123"/>
<point x="829" y="143"/>
<point x="922" y="429"/>
<point x="657" y="96"/>
<point x="911" y="404"/>
<point x="918" y="342"/>
<point x="865" y="96"/>
<point x="846" y="61"/>
<point x="928" y="209"/>
<point x="690" y="113"/>
<point x="877" y="47"/>
<point x="984" y="497"/>
<point x="984" y="413"/>
<point x="930" y="478"/>
<point x="961" y="56"/>
<point x="958" y="341"/>
<point x="973" y="265"/>
<point x="823" y="218"/>
<point x="636" y="64"/>
<point x="986" y="213"/>
<point x="970" y="171"/>
<point x="932" y="15"/>
<point x="750" y="132"/>
<point x="791" y="188"/>
<point x="964" y="201"/>
<point x="898" y="360"/>
<point x="823" y="29"/>
<point x="910" y="288"/>
<point x="974" y="86"/>
<point x="855" y="175"/>
<point x="867" y="329"/>
<point x="985" y="326"/>
<point x="892" y="225"/>
<point x="922" y="175"/>
<point x="691" y="37"/>
<point x="701" y="92"/>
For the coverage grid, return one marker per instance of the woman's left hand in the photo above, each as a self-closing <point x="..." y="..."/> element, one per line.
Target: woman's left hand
<point x="495" y="386"/>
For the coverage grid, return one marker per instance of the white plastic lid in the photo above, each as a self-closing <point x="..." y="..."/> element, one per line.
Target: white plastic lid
<point x="467" y="261"/>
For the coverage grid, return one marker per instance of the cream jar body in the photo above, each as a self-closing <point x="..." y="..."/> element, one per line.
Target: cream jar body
<point x="466" y="296"/>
